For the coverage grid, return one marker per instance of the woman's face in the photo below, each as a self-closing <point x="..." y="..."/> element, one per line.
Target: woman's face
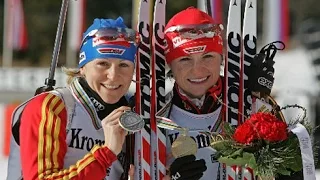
<point x="110" y="78"/>
<point x="196" y="73"/>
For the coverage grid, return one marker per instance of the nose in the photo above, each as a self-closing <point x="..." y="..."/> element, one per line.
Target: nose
<point x="198" y="67"/>
<point x="112" y="72"/>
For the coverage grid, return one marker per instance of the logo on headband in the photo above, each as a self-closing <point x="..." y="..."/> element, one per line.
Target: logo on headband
<point x="115" y="51"/>
<point x="177" y="41"/>
<point x="195" y="49"/>
<point x="82" y="57"/>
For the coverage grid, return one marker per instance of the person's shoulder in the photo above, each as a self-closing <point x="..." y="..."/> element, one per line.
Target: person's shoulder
<point x="44" y="106"/>
<point x="43" y="101"/>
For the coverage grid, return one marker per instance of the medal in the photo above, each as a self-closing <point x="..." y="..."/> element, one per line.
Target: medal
<point x="184" y="145"/>
<point x="131" y="121"/>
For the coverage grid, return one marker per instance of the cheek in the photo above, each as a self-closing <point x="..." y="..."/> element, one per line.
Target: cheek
<point x="179" y="76"/>
<point x="128" y="75"/>
<point x="177" y="70"/>
<point x="94" y="77"/>
<point x="215" y="67"/>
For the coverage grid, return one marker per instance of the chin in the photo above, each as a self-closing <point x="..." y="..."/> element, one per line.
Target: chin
<point x="111" y="100"/>
<point x="195" y="94"/>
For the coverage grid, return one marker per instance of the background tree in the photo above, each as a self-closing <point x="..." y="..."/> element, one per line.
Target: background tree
<point x="42" y="18"/>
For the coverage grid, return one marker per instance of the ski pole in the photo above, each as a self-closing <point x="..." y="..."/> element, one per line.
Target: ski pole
<point x="50" y="82"/>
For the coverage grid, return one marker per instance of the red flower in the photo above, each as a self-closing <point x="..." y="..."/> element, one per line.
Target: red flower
<point x="261" y="126"/>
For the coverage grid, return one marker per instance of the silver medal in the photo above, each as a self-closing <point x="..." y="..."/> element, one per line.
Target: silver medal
<point x="131" y="121"/>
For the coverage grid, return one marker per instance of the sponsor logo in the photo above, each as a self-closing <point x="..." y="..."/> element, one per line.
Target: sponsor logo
<point x="176" y="176"/>
<point x="82" y="57"/>
<point x="177" y="41"/>
<point x="195" y="49"/>
<point x="97" y="104"/>
<point x="83" y="142"/>
<point x="115" y="51"/>
<point x="202" y="140"/>
<point x="265" y="82"/>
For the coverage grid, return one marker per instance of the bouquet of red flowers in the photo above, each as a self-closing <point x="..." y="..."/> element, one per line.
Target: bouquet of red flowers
<point x="263" y="142"/>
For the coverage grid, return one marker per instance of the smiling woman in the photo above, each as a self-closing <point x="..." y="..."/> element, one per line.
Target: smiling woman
<point x="194" y="51"/>
<point x="110" y="78"/>
<point x="196" y="73"/>
<point x="83" y="140"/>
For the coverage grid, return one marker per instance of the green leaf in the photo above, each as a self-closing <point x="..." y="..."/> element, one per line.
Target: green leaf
<point x="282" y="170"/>
<point x="228" y="129"/>
<point x="296" y="164"/>
<point x="252" y="160"/>
<point x="221" y="145"/>
<point x="239" y="158"/>
<point x="237" y="153"/>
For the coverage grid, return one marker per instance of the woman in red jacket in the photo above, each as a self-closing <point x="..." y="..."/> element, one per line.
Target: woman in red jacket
<point x="92" y="147"/>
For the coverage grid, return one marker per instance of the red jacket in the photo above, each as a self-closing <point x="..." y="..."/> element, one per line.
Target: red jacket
<point x="43" y="144"/>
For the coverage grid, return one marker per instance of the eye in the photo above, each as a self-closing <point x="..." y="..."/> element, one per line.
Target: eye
<point x="183" y="59"/>
<point x="207" y="56"/>
<point x="103" y="63"/>
<point x="124" y="65"/>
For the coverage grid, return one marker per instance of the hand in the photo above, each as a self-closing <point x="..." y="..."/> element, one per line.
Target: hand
<point x="114" y="134"/>
<point x="260" y="75"/>
<point x="261" y="70"/>
<point x="187" y="167"/>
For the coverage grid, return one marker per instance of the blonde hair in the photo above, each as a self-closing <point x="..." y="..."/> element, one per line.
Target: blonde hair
<point x="71" y="73"/>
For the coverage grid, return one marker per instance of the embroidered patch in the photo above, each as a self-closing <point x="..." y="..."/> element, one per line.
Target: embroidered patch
<point x="195" y="49"/>
<point x="115" y="51"/>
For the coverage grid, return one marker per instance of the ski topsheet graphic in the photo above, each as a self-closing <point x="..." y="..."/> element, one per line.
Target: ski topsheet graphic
<point x="232" y="64"/>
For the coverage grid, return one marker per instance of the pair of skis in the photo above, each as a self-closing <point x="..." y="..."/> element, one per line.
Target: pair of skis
<point x="241" y="48"/>
<point x="150" y="143"/>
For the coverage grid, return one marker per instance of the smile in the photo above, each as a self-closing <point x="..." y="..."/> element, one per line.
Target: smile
<point x="110" y="87"/>
<point x="200" y="80"/>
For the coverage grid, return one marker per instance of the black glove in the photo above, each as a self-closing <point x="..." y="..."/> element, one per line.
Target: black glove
<point x="261" y="71"/>
<point x="187" y="167"/>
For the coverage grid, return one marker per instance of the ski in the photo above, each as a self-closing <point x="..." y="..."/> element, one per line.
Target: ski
<point x="241" y="48"/>
<point x="232" y="74"/>
<point x="249" y="49"/>
<point x="142" y="147"/>
<point x="158" y="139"/>
<point x="232" y="62"/>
